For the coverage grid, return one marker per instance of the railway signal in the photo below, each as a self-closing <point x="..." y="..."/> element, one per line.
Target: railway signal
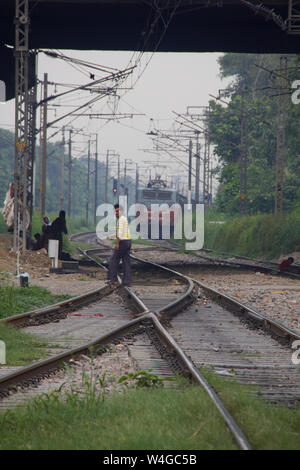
<point x="115" y="185"/>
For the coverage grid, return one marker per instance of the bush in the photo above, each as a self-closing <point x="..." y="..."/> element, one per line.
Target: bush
<point x="265" y="235"/>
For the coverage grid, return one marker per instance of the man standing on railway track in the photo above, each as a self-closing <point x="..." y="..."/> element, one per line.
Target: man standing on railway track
<point x="121" y="251"/>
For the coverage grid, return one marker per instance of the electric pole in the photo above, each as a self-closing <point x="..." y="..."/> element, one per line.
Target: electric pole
<point x="96" y="180"/>
<point x="190" y="172"/>
<point x="22" y="161"/>
<point x="281" y="146"/>
<point x="136" y="182"/>
<point x="43" y="150"/>
<point x="244" y="154"/>
<point x="62" y="182"/>
<point x="197" y="177"/>
<point x="32" y="131"/>
<point x="88" y="183"/>
<point x="118" y="176"/>
<point x="69" y="172"/>
<point x="106" y="176"/>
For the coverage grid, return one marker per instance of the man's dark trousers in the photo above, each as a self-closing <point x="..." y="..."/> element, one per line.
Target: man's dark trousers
<point x="121" y="253"/>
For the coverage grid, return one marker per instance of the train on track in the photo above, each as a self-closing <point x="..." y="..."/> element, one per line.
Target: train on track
<point x="157" y="193"/>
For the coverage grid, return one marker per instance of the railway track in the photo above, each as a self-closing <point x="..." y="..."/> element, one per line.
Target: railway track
<point x="237" y="340"/>
<point x="210" y="256"/>
<point x="171" y="358"/>
<point x="249" y="345"/>
<point x="249" y="263"/>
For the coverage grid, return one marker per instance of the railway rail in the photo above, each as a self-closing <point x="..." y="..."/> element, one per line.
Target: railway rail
<point x="194" y="338"/>
<point x="227" y="259"/>
<point x="153" y="325"/>
<point x="273" y="370"/>
<point x="249" y="263"/>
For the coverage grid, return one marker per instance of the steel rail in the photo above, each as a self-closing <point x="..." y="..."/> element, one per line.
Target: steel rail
<point x="272" y="326"/>
<point x="261" y="267"/>
<point x="184" y="300"/>
<point x="36" y="369"/>
<point x="200" y="380"/>
<point x="222" y="261"/>
<point x="141" y="307"/>
<point x="237" y="264"/>
<point x="171" y="310"/>
<point x="272" y="263"/>
<point x="269" y="324"/>
<point x="32" y="373"/>
<point x="58" y="310"/>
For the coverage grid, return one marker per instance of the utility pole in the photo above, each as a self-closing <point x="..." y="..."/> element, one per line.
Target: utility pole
<point x="206" y="162"/>
<point x="190" y="172"/>
<point x="197" y="176"/>
<point x="118" y="176"/>
<point x="96" y="180"/>
<point x="211" y="183"/>
<point x="69" y="172"/>
<point x="106" y="176"/>
<point x="62" y="182"/>
<point x="281" y="145"/>
<point x="88" y="183"/>
<point x="32" y="131"/>
<point x="43" y="150"/>
<point x="125" y="186"/>
<point x="22" y="162"/>
<point x="244" y="154"/>
<point x="136" y="182"/>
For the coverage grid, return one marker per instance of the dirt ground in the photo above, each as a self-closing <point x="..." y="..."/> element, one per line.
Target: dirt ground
<point x="37" y="264"/>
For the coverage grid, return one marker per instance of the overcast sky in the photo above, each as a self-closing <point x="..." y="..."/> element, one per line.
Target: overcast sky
<point x="170" y="82"/>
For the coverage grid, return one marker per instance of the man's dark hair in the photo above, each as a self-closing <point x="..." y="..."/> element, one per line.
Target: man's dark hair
<point x="116" y="206"/>
<point x="291" y="259"/>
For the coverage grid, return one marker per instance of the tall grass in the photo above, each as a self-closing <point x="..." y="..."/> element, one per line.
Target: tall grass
<point x="257" y="235"/>
<point x="14" y="300"/>
<point x="135" y="419"/>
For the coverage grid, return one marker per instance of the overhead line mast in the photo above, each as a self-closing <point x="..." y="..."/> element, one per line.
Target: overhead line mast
<point x="23" y="169"/>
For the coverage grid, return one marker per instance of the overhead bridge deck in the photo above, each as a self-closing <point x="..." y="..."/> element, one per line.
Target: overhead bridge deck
<point x="173" y="26"/>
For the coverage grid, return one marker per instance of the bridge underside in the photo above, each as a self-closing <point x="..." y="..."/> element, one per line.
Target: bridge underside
<point x="197" y="26"/>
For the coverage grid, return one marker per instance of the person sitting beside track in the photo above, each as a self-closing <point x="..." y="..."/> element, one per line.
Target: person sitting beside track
<point x="39" y="242"/>
<point x="286" y="263"/>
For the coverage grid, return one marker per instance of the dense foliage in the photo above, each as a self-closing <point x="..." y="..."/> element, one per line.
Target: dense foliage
<point x="253" y="92"/>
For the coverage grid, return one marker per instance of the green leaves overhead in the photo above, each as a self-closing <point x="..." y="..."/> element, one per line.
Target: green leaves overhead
<point x="253" y="95"/>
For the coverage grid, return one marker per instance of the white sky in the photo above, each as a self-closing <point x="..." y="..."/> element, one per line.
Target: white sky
<point x="171" y="82"/>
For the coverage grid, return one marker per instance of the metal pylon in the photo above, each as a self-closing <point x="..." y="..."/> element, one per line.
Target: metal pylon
<point x="21" y="120"/>
<point x="293" y="20"/>
<point x="281" y="146"/>
<point x="244" y="155"/>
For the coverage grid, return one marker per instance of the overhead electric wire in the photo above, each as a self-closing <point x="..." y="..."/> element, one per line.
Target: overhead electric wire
<point x="202" y="129"/>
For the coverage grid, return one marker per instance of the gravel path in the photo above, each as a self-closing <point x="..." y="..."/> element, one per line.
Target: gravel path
<point x="275" y="296"/>
<point x="72" y="284"/>
<point x="102" y="372"/>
